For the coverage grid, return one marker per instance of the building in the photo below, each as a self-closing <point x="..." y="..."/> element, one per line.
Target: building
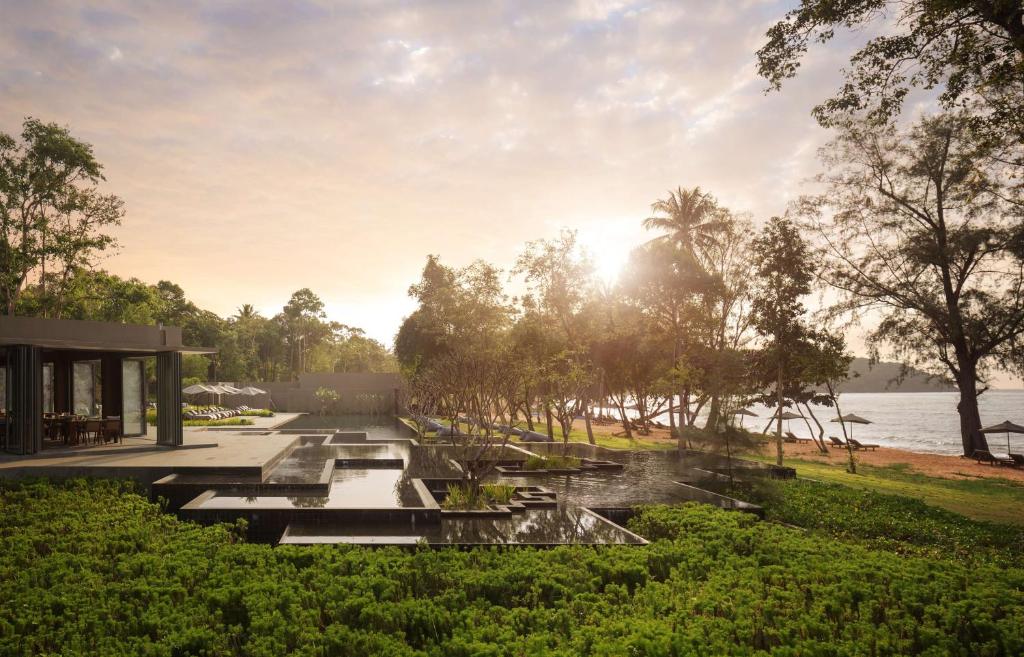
<point x="52" y="369"/>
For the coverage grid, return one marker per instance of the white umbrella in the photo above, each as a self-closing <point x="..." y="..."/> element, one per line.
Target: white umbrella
<point x="198" y="389"/>
<point x="229" y="390"/>
<point x="251" y="391"/>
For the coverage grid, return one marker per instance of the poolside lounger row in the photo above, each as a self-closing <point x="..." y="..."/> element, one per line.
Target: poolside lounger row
<point x="215" y="413"/>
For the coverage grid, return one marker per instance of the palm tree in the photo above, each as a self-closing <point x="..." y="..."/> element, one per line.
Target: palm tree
<point x="691" y="220"/>
<point x="246" y="311"/>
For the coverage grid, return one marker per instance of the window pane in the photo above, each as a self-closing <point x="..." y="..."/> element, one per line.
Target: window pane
<point x="47" y="387"/>
<point x="131" y="378"/>
<point x="83" y="388"/>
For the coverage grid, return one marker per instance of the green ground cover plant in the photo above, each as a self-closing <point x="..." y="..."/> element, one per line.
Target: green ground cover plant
<point x="90" y="568"/>
<point x="991" y="498"/>
<point x="892" y="522"/>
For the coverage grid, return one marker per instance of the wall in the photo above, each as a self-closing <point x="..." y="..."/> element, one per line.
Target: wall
<point x="358" y="392"/>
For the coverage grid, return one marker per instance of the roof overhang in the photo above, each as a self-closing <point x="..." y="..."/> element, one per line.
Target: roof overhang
<point x="81" y="335"/>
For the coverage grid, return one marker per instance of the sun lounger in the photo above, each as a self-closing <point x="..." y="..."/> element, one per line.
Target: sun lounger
<point x="983" y="456"/>
<point x="791" y="438"/>
<point x="865" y="446"/>
<point x="836" y="442"/>
<point x="1018" y="459"/>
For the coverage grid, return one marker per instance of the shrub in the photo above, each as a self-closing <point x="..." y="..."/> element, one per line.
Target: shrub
<point x="893" y="522"/>
<point x="90" y="568"/>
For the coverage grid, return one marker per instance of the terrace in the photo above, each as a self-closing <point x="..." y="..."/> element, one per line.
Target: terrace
<point x="70" y="383"/>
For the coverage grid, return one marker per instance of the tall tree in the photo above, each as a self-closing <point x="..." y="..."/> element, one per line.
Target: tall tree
<point x="784" y="275"/>
<point x="972" y="49"/>
<point x="52" y="213"/>
<point x="691" y="220"/>
<point x="559" y="277"/>
<point x="924" y="228"/>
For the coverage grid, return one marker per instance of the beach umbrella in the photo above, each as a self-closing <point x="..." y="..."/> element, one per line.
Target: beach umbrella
<point x="787" y="416"/>
<point x="252" y="391"/>
<point x="852" y="419"/>
<point x="743" y="412"/>
<point x="197" y="389"/>
<point x="1006" y="427"/>
<point x="229" y="389"/>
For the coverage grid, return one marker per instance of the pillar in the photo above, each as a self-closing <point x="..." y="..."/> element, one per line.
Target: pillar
<point x="25" y="414"/>
<point x="168" y="399"/>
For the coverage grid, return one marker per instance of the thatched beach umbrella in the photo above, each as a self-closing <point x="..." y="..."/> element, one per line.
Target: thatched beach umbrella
<point x="1004" y="427"/>
<point x="852" y="419"/>
<point x="744" y="412"/>
<point x="787" y="416"/>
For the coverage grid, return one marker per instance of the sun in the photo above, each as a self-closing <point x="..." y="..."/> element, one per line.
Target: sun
<point x="608" y="250"/>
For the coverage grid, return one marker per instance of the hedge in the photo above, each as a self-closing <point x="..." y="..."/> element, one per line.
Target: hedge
<point x="89" y="568"/>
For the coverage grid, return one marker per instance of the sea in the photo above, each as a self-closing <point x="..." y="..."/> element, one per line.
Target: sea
<point x="925" y="422"/>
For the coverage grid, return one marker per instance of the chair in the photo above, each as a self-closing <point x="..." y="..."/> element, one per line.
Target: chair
<point x="836" y="442"/>
<point x="984" y="456"/>
<point x="112" y="430"/>
<point x="792" y="438"/>
<point x="93" y="430"/>
<point x="865" y="446"/>
<point x="1018" y="459"/>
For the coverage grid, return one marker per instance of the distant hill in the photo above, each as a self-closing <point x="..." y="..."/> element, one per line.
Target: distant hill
<point x="880" y="378"/>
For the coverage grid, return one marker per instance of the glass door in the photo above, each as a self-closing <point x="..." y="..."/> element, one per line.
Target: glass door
<point x="133" y="397"/>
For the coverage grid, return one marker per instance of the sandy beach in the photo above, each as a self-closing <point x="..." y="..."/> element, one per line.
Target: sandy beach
<point x="936" y="465"/>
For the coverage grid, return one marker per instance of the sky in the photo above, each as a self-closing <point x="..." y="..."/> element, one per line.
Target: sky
<point x="261" y="147"/>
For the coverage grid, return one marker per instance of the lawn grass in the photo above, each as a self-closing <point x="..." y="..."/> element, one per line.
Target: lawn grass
<point x="993" y="499"/>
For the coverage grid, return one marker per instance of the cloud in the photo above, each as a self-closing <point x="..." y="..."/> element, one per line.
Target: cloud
<point x="262" y="146"/>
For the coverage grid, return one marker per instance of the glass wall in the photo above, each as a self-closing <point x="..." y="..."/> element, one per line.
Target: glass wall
<point x="133" y="402"/>
<point x="47" y="387"/>
<point x="83" y="387"/>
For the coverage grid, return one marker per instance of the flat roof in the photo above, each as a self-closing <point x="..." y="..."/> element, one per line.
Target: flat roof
<point x="83" y="335"/>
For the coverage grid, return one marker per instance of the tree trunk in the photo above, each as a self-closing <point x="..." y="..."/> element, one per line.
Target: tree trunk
<point x="839" y="413"/>
<point x="586" y="418"/>
<point x="778" y="419"/>
<point x="529" y="411"/>
<point x="671" y="417"/>
<point x="713" y="412"/>
<point x="547" y="414"/>
<point x="970" y="418"/>
<point x="821" y="430"/>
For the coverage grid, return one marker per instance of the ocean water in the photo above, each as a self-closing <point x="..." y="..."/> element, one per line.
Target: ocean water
<point x="924" y="422"/>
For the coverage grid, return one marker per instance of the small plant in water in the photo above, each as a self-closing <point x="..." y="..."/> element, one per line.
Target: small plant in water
<point x="551" y="463"/>
<point x="462" y="497"/>
<point x="498" y="493"/>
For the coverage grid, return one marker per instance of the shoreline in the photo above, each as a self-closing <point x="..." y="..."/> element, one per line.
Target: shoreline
<point x="957" y="468"/>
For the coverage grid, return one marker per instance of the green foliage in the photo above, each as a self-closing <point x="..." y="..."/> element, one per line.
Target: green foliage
<point x="498" y="493"/>
<point x="536" y="462"/>
<point x="901" y="524"/>
<point x="257" y="412"/>
<point x="87" y="568"/>
<point x="970" y="50"/>
<point x="463" y="497"/>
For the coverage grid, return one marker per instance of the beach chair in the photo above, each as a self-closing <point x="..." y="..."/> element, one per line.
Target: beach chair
<point x="984" y="456"/>
<point x="836" y="442"/>
<point x="792" y="438"/>
<point x="865" y="446"/>
<point x="1018" y="459"/>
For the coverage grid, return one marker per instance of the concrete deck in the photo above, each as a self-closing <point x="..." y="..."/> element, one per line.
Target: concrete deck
<point x="227" y="451"/>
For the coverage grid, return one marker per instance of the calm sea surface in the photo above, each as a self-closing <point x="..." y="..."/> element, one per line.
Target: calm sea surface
<point x="924" y="422"/>
<point x="916" y="421"/>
